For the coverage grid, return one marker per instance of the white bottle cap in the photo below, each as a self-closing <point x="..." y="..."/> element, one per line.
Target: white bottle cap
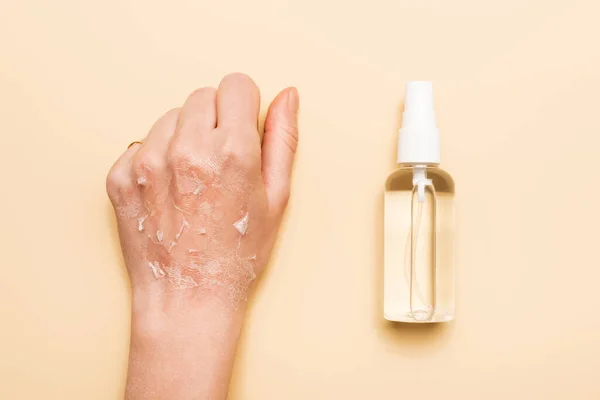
<point x="419" y="137"/>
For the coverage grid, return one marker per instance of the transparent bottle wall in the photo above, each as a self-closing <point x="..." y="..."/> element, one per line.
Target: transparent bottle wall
<point x="419" y="261"/>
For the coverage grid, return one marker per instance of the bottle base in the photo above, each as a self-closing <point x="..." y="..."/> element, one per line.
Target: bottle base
<point x="410" y="318"/>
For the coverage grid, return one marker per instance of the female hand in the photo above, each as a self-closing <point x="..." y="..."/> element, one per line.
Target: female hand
<point x="198" y="206"/>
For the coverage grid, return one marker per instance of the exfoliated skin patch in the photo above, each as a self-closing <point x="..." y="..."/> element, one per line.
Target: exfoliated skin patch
<point x="198" y="231"/>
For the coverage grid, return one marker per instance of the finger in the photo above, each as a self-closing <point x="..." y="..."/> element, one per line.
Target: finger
<point x="160" y="134"/>
<point x="279" y="147"/>
<point x="198" y="114"/>
<point x="238" y="102"/>
<point x="150" y="161"/>
<point x="120" y="184"/>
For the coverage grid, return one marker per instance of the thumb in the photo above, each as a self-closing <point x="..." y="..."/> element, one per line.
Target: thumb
<point x="279" y="147"/>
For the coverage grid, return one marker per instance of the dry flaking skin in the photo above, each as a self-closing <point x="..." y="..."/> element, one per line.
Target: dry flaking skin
<point x="141" y="223"/>
<point x="157" y="271"/>
<point x="202" y="231"/>
<point x="242" y="225"/>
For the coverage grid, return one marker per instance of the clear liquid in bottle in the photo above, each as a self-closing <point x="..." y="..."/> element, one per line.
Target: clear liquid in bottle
<point x="419" y="246"/>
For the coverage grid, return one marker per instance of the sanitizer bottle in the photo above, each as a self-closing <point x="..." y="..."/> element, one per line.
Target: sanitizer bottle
<point x="419" y="220"/>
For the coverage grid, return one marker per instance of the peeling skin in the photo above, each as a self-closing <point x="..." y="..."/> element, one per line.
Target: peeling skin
<point x="187" y="184"/>
<point x="213" y="165"/>
<point x="212" y="267"/>
<point x="205" y="208"/>
<point x="242" y="224"/>
<point x="184" y="224"/>
<point x="180" y="281"/>
<point x="131" y="210"/>
<point x="233" y="274"/>
<point x="156" y="270"/>
<point x="191" y="241"/>
<point x="199" y="189"/>
<point x="141" y="222"/>
<point x="252" y="273"/>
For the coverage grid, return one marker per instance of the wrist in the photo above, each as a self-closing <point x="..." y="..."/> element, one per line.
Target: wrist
<point x="157" y="312"/>
<point x="182" y="342"/>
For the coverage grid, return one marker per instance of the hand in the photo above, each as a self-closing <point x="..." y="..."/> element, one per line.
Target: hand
<point x="198" y="207"/>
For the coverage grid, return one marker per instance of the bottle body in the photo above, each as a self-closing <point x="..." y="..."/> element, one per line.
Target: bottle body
<point x="419" y="245"/>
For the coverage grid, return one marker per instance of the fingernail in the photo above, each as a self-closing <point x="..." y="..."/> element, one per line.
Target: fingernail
<point x="293" y="100"/>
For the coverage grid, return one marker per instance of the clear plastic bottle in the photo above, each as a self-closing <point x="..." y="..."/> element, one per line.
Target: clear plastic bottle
<point x="419" y="220"/>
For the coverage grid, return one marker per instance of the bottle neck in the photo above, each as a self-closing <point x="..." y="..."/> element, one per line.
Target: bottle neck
<point x="419" y="165"/>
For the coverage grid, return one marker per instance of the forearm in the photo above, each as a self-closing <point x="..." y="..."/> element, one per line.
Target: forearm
<point x="182" y="348"/>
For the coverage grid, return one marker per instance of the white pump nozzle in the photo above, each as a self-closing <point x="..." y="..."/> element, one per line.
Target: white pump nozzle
<point x="419" y="138"/>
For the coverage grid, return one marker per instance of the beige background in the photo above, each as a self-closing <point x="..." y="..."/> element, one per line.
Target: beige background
<point x="517" y="85"/>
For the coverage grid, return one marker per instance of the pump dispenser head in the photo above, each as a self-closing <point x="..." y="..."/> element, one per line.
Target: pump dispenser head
<point x="419" y="137"/>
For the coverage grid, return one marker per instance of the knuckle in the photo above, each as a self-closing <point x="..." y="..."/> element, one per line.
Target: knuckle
<point x="148" y="165"/>
<point x="118" y="184"/>
<point x="181" y="157"/>
<point x="229" y="153"/>
<point x="205" y="167"/>
<point x="240" y="156"/>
